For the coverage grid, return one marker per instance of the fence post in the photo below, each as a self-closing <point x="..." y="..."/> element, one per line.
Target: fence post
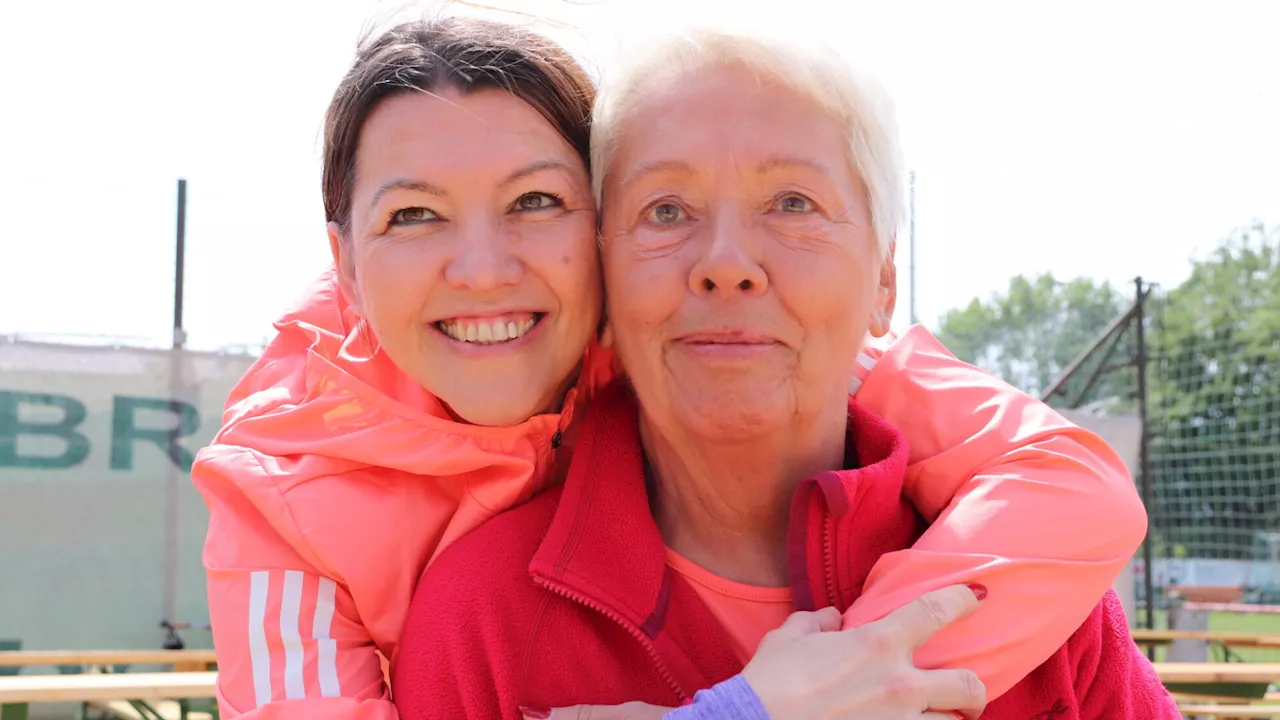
<point x="1144" y="462"/>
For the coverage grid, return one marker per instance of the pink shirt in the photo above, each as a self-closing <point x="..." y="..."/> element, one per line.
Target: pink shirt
<point x="745" y="612"/>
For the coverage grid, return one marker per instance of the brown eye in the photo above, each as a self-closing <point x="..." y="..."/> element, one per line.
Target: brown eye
<point x="412" y="215"/>
<point x="665" y="214"/>
<point x="537" y="201"/>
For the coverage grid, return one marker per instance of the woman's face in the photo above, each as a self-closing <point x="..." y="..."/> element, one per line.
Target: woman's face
<point x="472" y="251"/>
<point x="741" y="266"/>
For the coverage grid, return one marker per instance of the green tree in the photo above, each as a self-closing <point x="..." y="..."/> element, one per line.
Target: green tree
<point x="1215" y="398"/>
<point x="1031" y="332"/>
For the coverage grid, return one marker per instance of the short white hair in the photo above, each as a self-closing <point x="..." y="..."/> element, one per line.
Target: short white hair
<point x="853" y="98"/>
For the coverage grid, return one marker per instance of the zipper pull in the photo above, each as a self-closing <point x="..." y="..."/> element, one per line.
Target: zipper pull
<point x="555" y="440"/>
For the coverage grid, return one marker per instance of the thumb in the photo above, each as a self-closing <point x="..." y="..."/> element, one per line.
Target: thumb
<point x="626" y="711"/>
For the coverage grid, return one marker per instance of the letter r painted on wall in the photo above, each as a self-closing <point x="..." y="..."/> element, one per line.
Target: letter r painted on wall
<point x="125" y="431"/>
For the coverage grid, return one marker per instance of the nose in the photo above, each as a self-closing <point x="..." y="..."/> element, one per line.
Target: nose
<point x="731" y="263"/>
<point x="485" y="259"/>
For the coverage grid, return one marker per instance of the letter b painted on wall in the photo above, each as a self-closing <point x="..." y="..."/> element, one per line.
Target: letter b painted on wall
<point x="75" y="446"/>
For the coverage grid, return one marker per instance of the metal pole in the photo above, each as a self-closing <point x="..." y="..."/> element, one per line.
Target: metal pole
<point x="174" y="474"/>
<point x="1144" y="460"/>
<point x="911" y="236"/>
<point x="179" y="273"/>
<point x="1118" y="323"/>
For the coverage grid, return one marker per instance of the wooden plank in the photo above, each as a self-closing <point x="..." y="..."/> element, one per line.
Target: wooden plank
<point x="1234" y="672"/>
<point x="1233" y="608"/>
<point x="167" y="709"/>
<point x="186" y="658"/>
<point x="1231" y="711"/>
<point x="106" y="686"/>
<point x="1235" y="639"/>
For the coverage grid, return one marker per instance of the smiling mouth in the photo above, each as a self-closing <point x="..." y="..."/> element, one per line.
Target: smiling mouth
<point x="489" y="331"/>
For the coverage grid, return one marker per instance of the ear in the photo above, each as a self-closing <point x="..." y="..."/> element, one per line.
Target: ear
<point x="345" y="264"/>
<point x="886" y="294"/>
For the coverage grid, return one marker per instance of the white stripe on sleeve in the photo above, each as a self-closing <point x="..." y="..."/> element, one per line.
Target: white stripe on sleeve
<point x="326" y="646"/>
<point x="259" y="655"/>
<point x="290" y="607"/>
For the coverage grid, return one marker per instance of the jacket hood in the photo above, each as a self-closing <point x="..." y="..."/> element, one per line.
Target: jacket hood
<point x="322" y="387"/>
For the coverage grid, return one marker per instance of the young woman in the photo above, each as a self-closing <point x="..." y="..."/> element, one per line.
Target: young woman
<point x="432" y="378"/>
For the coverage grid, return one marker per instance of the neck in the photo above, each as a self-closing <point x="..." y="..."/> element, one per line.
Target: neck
<point x="725" y="505"/>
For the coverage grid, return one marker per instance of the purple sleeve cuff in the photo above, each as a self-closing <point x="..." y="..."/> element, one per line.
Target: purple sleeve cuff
<point x="732" y="698"/>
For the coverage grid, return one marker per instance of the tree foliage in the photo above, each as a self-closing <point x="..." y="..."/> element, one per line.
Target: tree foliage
<point x="1213" y="344"/>
<point x="1031" y="332"/>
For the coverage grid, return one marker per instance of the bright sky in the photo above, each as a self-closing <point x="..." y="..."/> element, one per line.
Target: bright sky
<point x="1097" y="138"/>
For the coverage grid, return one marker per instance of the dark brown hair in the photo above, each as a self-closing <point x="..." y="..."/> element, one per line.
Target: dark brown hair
<point x="463" y="54"/>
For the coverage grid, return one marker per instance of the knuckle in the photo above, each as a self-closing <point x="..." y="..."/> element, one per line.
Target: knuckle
<point x="973" y="688"/>
<point x="880" y="639"/>
<point x="901" y="688"/>
<point x="934" y="609"/>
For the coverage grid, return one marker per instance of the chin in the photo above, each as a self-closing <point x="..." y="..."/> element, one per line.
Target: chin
<point x="498" y="410"/>
<point x="731" y="423"/>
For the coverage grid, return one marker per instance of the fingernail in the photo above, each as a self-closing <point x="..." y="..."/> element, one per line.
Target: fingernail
<point x="979" y="591"/>
<point x="539" y="713"/>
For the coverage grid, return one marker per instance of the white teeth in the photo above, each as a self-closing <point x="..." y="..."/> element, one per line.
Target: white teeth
<point x="485" y="333"/>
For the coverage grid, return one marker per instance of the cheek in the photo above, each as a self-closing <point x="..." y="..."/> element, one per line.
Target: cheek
<point x="565" y="255"/>
<point x="829" y="293"/>
<point x="395" y="281"/>
<point x="643" y="292"/>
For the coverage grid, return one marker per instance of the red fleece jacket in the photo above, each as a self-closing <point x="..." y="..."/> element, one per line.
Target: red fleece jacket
<point x="568" y="599"/>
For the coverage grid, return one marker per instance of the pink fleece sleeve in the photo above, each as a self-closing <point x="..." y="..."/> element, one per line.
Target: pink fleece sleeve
<point x="1114" y="680"/>
<point x="1040" y="511"/>
<point x="290" y="643"/>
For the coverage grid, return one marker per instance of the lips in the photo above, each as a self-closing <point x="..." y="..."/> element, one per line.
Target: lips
<point x="727" y="337"/>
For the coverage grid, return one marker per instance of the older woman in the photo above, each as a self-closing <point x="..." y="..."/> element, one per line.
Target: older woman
<point x="747" y="238"/>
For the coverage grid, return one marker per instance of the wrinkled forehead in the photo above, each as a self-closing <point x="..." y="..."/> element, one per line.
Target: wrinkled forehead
<point x="729" y="128"/>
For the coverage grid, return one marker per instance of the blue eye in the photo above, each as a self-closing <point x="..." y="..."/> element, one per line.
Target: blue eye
<point x="793" y="203"/>
<point x="412" y="216"/>
<point x="665" y="214"/>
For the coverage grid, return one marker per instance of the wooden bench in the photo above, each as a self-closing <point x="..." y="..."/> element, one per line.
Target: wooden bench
<point x="114" y="691"/>
<point x="149" y="710"/>
<point x="1218" y="672"/>
<point x="180" y="660"/>
<point x="1231" y="638"/>
<point x="1231" y="712"/>
<point x="1231" y="682"/>
<point x="1206" y="593"/>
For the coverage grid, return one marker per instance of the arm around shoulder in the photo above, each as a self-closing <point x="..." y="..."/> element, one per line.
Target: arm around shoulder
<point x="289" y="641"/>
<point x="1038" y="510"/>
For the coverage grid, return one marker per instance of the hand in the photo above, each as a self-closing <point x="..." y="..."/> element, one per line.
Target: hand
<point x="806" y="670"/>
<point x="629" y="711"/>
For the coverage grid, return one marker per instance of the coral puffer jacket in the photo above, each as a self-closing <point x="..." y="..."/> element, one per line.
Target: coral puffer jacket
<point x="336" y="480"/>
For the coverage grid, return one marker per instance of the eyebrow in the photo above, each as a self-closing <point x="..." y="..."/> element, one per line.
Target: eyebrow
<point x="778" y="162"/>
<point x="765" y="166"/>
<point x="406" y="184"/>
<point x="662" y="166"/>
<point x="532" y="168"/>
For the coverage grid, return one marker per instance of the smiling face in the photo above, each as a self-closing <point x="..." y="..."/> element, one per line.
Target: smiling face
<point x="471" y="250"/>
<point x="741" y="264"/>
